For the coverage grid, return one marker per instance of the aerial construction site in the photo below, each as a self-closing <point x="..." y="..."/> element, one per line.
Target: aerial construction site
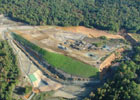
<point x="61" y="59"/>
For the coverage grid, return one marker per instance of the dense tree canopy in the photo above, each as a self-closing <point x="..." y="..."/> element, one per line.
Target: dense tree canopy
<point x="102" y="14"/>
<point x="9" y="71"/>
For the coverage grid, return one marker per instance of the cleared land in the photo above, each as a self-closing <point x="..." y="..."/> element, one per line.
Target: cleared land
<point x="68" y="45"/>
<point x="72" y="49"/>
<point x="74" y="44"/>
<point x="62" y="62"/>
<point x="90" y="32"/>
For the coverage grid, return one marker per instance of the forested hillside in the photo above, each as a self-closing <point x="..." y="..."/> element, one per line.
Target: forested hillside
<point x="9" y="72"/>
<point x="102" y="14"/>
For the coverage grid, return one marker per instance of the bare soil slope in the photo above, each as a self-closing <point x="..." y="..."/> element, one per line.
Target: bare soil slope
<point x="90" y="32"/>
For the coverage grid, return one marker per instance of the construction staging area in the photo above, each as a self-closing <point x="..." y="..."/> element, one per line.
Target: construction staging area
<point x="89" y="46"/>
<point x="31" y="75"/>
<point x="77" y="42"/>
<point x="80" y="46"/>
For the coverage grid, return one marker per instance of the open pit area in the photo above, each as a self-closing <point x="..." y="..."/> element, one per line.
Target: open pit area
<point x="76" y="43"/>
<point x="75" y="50"/>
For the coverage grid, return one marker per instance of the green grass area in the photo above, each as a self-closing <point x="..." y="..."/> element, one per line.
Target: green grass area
<point x="136" y="36"/>
<point x="65" y="63"/>
<point x="33" y="78"/>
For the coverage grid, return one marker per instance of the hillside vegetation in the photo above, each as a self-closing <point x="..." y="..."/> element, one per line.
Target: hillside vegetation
<point x="9" y="71"/>
<point x="111" y="15"/>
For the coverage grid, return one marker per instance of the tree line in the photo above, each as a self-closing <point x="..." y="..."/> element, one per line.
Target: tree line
<point x="113" y="15"/>
<point x="9" y="72"/>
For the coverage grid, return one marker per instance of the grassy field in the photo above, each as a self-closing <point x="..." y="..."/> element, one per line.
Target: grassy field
<point x="60" y="61"/>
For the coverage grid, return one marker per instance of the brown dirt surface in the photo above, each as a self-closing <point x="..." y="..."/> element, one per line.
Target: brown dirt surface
<point x="49" y="37"/>
<point x="107" y="62"/>
<point x="27" y="36"/>
<point x="90" y="32"/>
<point x="27" y="96"/>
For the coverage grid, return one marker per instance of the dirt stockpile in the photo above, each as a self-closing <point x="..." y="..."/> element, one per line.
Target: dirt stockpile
<point x="90" y="32"/>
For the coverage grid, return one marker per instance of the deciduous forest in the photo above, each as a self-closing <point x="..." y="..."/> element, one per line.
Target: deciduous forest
<point x="113" y="15"/>
<point x="9" y="72"/>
